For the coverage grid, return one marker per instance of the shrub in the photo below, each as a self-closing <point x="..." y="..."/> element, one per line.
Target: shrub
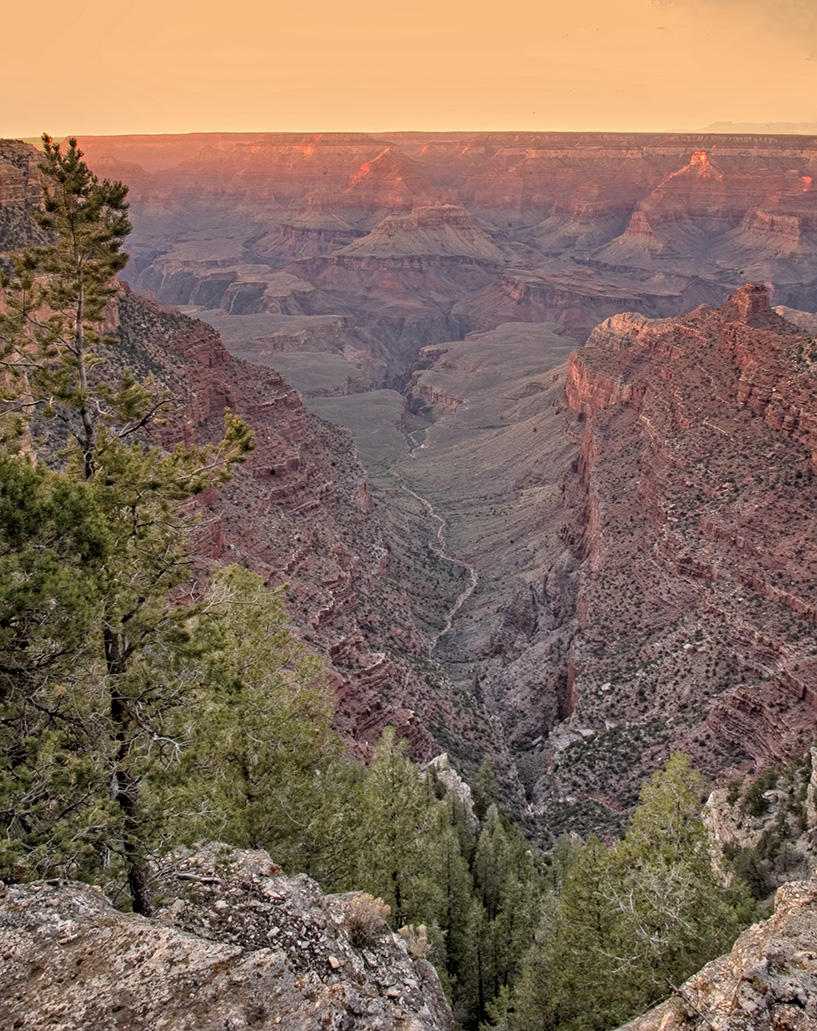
<point x="366" y="917"/>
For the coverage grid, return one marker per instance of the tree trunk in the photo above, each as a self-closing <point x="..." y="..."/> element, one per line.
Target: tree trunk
<point x="126" y="791"/>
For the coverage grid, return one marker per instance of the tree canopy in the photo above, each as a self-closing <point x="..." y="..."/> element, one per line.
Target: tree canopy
<point x="631" y="923"/>
<point x="62" y="408"/>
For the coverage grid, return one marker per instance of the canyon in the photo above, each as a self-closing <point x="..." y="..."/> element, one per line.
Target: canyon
<point x="419" y="238"/>
<point x="582" y="538"/>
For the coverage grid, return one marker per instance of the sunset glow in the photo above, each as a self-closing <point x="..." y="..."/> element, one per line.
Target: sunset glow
<point x="639" y="65"/>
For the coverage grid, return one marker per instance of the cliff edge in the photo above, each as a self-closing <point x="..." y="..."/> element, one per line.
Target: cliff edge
<point x="768" y="980"/>
<point x="237" y="945"/>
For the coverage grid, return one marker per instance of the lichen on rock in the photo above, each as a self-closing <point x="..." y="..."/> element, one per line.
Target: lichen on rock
<point x="235" y="944"/>
<point x="768" y="981"/>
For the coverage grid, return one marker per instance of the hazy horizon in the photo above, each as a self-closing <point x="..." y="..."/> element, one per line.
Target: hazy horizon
<point x="636" y="66"/>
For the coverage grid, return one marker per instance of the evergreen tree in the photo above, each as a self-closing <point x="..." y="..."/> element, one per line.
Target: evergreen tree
<point x="55" y="806"/>
<point x="485" y="787"/>
<point x="581" y="956"/>
<point x="452" y="875"/>
<point x="257" y="772"/>
<point x="632" y="923"/>
<point x="509" y="888"/>
<point x="53" y="351"/>
<point x="397" y="816"/>
<point x="56" y="299"/>
<point x="673" y="910"/>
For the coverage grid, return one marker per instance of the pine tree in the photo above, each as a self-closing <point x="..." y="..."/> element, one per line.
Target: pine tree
<point x="509" y="886"/>
<point x="632" y="923"/>
<point x="453" y="877"/>
<point x="55" y="807"/>
<point x="674" y="912"/>
<point x="485" y="787"/>
<point x="398" y="813"/>
<point x="257" y="772"/>
<point x="530" y="1003"/>
<point x="56" y="384"/>
<point x="580" y="955"/>
<point x="57" y="298"/>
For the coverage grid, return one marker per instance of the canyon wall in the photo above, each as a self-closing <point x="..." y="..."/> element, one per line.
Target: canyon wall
<point x="424" y="237"/>
<point x="696" y="603"/>
<point x="589" y="563"/>
<point x="299" y="512"/>
<point x="641" y="525"/>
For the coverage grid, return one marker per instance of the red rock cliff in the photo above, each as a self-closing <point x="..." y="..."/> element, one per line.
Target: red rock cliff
<point x="698" y="597"/>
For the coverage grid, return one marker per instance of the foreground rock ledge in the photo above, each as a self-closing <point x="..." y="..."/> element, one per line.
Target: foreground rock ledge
<point x="767" y="983"/>
<point x="237" y="946"/>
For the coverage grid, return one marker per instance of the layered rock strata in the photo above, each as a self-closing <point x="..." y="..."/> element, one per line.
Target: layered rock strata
<point x="424" y="237"/>
<point x="641" y="527"/>
<point x="20" y="190"/>
<point x="300" y="513"/>
<point x="696" y="605"/>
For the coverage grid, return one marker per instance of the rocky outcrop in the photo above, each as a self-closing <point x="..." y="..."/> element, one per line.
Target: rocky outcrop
<point x="19" y="175"/>
<point x="235" y="944"/>
<point x="695" y="489"/>
<point x="444" y="229"/>
<point x="767" y="983"/>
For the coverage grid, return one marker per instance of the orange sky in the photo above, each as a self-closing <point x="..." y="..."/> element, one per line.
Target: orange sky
<point x="173" y="66"/>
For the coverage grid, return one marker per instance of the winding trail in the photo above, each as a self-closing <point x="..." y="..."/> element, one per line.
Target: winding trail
<point x="440" y="549"/>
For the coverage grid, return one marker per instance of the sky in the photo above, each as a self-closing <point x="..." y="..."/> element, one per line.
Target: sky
<point x="96" y="67"/>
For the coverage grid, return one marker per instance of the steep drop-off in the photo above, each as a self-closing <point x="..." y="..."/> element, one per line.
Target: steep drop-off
<point x="642" y="524"/>
<point x="299" y="512"/>
<point x="696" y="604"/>
<point x="596" y="562"/>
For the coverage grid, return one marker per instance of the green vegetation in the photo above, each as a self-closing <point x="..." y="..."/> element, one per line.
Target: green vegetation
<point x="771" y="815"/>
<point x="140" y="712"/>
<point x="630" y="923"/>
<point x="755" y="802"/>
<point x="104" y="698"/>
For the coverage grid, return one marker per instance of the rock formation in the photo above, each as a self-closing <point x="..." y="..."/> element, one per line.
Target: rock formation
<point x="299" y="512"/>
<point x="235" y="944"/>
<point x="557" y="227"/>
<point x="441" y="230"/>
<point x="596" y="563"/>
<point x="768" y="982"/>
<point x="19" y="190"/>
<point x="696" y="603"/>
<point x="641" y="526"/>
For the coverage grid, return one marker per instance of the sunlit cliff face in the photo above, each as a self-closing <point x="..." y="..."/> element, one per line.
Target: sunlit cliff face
<point x="701" y="163"/>
<point x="366" y="168"/>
